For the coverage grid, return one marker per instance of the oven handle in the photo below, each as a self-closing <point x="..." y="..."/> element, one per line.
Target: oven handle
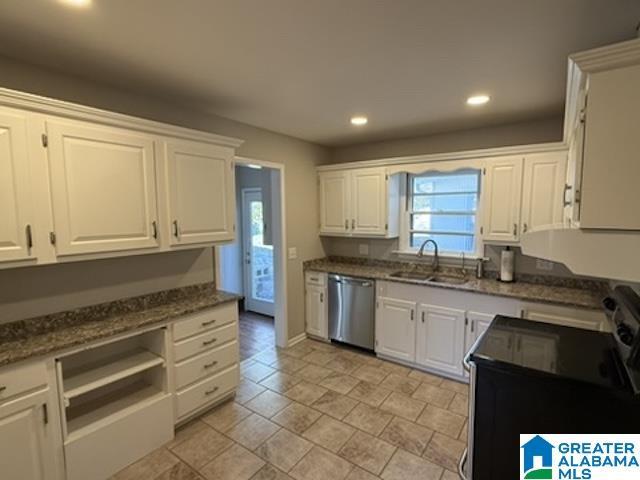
<point x="462" y="464"/>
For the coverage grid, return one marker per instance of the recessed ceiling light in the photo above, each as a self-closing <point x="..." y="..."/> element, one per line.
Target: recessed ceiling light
<point x="478" y="99"/>
<point x="359" y="120"/>
<point x="76" y="3"/>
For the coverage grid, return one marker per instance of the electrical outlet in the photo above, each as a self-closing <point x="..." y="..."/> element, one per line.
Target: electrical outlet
<point x="293" y="253"/>
<point x="363" y="249"/>
<point x="544" y="265"/>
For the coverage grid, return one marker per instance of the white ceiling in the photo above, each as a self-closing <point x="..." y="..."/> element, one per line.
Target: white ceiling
<point x="303" y="67"/>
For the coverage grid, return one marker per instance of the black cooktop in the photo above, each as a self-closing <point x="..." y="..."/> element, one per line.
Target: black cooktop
<point x="541" y="348"/>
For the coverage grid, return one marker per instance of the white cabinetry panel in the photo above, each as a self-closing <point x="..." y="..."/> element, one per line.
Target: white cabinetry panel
<point x="16" y="211"/>
<point x="201" y="207"/>
<point x="103" y="188"/>
<point x="503" y="187"/>
<point x="396" y="329"/>
<point x="440" y="338"/>
<point x="335" y="201"/>
<point x="316" y="311"/>
<point x="369" y="207"/>
<point x="542" y="202"/>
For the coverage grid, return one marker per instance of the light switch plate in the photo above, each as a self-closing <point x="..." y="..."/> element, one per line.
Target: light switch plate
<point x="544" y="265"/>
<point x="363" y="249"/>
<point x="293" y="253"/>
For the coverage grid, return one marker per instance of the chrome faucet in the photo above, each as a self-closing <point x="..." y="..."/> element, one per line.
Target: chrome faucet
<point x="436" y="261"/>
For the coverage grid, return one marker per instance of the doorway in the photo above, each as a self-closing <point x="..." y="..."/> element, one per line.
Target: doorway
<point x="254" y="264"/>
<point x="257" y="255"/>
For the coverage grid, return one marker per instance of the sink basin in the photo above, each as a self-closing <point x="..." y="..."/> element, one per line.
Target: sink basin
<point x="448" y="279"/>
<point x="430" y="277"/>
<point x="412" y="275"/>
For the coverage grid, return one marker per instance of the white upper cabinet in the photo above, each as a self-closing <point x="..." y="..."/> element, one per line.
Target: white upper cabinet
<point x="103" y="188"/>
<point x="363" y="202"/>
<point x="335" y="202"/>
<point x="396" y="329"/>
<point x="502" y="198"/>
<point x="200" y="192"/>
<point x="369" y="201"/>
<point x="610" y="172"/>
<point x="543" y="187"/>
<point x="16" y="211"/>
<point x="440" y="338"/>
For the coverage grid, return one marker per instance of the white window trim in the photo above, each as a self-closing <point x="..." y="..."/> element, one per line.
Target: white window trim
<point x="405" y="218"/>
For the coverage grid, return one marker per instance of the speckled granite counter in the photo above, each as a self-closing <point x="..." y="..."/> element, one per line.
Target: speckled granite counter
<point x="560" y="291"/>
<point x="52" y="333"/>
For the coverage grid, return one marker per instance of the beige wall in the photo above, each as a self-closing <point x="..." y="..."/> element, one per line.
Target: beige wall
<point x="539" y="131"/>
<point x="299" y="158"/>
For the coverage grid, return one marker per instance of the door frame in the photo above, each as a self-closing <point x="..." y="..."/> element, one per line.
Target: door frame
<point x="281" y="319"/>
<point x="258" y="306"/>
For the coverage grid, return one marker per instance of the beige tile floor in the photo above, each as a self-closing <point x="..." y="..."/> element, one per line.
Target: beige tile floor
<point x="316" y="412"/>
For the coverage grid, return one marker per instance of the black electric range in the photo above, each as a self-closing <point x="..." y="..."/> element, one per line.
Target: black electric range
<point x="532" y="377"/>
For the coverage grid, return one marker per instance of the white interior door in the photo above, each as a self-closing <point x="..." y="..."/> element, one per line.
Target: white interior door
<point x="103" y="186"/>
<point x="201" y="192"/>
<point x="15" y="202"/>
<point x="257" y="256"/>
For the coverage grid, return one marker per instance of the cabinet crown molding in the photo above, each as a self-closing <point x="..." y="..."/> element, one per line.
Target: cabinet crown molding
<point x="45" y="105"/>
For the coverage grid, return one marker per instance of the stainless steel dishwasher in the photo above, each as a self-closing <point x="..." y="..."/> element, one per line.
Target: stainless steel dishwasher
<point x="352" y="310"/>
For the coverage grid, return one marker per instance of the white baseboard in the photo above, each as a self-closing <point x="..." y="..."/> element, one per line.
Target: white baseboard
<point x="296" y="339"/>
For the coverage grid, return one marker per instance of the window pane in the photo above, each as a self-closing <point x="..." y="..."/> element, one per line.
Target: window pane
<point x="446" y="243"/>
<point x="456" y="182"/>
<point x="444" y="223"/>
<point x="446" y="203"/>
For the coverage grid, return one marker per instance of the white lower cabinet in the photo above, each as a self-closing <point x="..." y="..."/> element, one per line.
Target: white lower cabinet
<point x="316" y="311"/>
<point x="440" y="338"/>
<point x="26" y="449"/>
<point x="476" y="323"/>
<point x="396" y="328"/>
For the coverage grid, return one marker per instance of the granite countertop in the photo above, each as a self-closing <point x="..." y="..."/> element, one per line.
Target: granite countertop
<point x="48" y="334"/>
<point x="561" y="291"/>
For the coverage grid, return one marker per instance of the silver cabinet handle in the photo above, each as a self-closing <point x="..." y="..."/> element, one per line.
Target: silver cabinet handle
<point x="515" y="229"/>
<point x="176" y="229"/>
<point x="210" y="365"/>
<point x="208" y="322"/>
<point x="422" y="317"/>
<point x="154" y="229"/>
<point x="346" y="224"/>
<point x="525" y="227"/>
<point x="412" y="313"/>
<point x="209" y="342"/>
<point x="29" y="239"/>
<point x="567" y="188"/>
<point x="2" y="388"/>
<point x="322" y="298"/>
<point x="472" y="325"/>
<point x="353" y="224"/>
<point x="212" y="391"/>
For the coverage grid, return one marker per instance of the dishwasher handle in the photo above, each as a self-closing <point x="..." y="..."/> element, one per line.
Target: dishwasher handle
<point x="350" y="281"/>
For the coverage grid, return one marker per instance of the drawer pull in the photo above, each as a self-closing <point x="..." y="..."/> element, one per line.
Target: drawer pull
<point x="2" y="388"/>
<point x="209" y="342"/>
<point x="211" y="365"/>
<point x="206" y="324"/>
<point x="212" y="391"/>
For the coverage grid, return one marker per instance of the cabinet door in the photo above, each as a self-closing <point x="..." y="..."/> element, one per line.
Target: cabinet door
<point x="501" y="204"/>
<point x="15" y="201"/>
<point x="103" y="188"/>
<point x="570" y="317"/>
<point x="316" y="311"/>
<point x="369" y="201"/>
<point x="477" y="323"/>
<point x="440" y="338"/>
<point x="201" y="193"/>
<point x="25" y="452"/>
<point x="335" y="201"/>
<point x="542" y="202"/>
<point x="396" y="329"/>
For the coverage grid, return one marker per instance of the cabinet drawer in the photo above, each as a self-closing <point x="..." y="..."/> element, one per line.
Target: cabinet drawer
<point x="17" y="380"/>
<point x="203" y="321"/>
<point x="206" y="364"/>
<point x="207" y="391"/>
<point x="316" y="278"/>
<point x="204" y="341"/>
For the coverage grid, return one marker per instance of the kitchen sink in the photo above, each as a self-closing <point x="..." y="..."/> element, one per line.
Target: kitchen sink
<point x="430" y="277"/>
<point x="412" y="275"/>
